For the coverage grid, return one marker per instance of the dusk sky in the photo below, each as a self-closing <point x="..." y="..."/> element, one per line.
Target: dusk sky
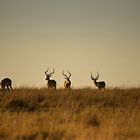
<point x="81" y="36"/>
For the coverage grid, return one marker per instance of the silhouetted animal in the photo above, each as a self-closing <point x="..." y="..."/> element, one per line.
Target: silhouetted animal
<point x="51" y="83"/>
<point x="100" y="84"/>
<point x="6" y="84"/>
<point x="67" y="82"/>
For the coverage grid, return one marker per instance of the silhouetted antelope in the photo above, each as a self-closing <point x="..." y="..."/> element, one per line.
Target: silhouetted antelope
<point x="67" y="82"/>
<point x="6" y="84"/>
<point x="99" y="85"/>
<point x="51" y="83"/>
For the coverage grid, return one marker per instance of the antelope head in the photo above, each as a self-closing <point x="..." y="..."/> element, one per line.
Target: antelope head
<point x="48" y="75"/>
<point x="96" y="78"/>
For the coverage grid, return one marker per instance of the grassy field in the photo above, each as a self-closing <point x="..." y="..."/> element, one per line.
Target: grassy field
<point x="80" y="114"/>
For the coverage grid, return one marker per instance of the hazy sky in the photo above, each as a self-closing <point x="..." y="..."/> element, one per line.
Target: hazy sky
<point x="81" y="36"/>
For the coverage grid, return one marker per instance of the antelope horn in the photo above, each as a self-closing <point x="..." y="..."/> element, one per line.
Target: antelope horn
<point x="92" y="78"/>
<point x="51" y="72"/>
<point x="46" y="71"/>
<point x="69" y="74"/>
<point x="97" y="76"/>
<point x="64" y="74"/>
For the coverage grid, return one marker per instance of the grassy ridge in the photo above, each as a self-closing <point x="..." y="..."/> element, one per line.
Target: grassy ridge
<point x="80" y="114"/>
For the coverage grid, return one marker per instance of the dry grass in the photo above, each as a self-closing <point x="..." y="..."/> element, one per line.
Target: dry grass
<point x="81" y="114"/>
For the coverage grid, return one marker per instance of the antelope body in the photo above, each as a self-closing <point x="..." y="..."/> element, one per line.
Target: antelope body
<point x="6" y="84"/>
<point x="67" y="82"/>
<point x="51" y="83"/>
<point x="100" y="84"/>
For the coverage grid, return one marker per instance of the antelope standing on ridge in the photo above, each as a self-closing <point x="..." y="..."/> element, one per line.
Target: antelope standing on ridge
<point x="100" y="84"/>
<point x="51" y="83"/>
<point x="6" y="84"/>
<point x="67" y="83"/>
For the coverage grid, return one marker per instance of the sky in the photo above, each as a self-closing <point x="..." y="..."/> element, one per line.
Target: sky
<point x="81" y="36"/>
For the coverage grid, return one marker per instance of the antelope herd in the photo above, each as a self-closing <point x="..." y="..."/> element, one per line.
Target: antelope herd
<point x="6" y="84"/>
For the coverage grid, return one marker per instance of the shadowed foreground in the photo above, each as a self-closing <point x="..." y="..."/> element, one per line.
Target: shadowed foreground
<point x="82" y="114"/>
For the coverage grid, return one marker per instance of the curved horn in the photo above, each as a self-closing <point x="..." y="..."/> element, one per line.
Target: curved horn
<point x="51" y="72"/>
<point x="64" y="74"/>
<point x="46" y="71"/>
<point x="69" y="74"/>
<point x="92" y="78"/>
<point x="97" y="76"/>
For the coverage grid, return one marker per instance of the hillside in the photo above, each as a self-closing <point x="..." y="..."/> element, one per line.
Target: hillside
<point x="79" y="114"/>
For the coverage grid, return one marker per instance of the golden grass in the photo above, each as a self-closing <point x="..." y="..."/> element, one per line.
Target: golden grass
<point x="80" y="114"/>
